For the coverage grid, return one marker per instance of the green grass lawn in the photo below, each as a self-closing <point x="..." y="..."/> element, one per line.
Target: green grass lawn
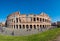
<point x="44" y="36"/>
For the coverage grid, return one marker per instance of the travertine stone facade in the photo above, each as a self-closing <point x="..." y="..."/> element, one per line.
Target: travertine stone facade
<point x="18" y="21"/>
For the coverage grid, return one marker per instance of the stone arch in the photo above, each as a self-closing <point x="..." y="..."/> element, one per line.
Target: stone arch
<point x="23" y="26"/>
<point x="37" y="26"/>
<point x="40" y="19"/>
<point x="34" y="26"/>
<point x="27" y="26"/>
<point x="37" y="18"/>
<point x="30" y="26"/>
<point x="43" y="19"/>
<point x="19" y="26"/>
<point x="34" y="19"/>
<point x="16" y="26"/>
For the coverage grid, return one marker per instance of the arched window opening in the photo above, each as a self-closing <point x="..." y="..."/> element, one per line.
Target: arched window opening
<point x="34" y="19"/>
<point x="37" y="19"/>
<point x="23" y="26"/>
<point x="27" y="26"/>
<point x="30" y="26"/>
<point x="34" y="26"/>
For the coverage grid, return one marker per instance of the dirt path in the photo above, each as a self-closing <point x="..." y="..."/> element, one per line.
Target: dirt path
<point x="57" y="39"/>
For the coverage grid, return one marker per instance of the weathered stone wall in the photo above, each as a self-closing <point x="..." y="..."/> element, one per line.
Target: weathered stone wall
<point x="16" y="19"/>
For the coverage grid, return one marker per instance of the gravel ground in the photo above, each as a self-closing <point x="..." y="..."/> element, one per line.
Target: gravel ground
<point x="57" y="39"/>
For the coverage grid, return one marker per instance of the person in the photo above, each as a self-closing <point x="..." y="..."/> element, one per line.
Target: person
<point x="13" y="33"/>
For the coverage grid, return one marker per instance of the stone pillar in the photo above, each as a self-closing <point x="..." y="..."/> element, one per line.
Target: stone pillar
<point x="36" y="19"/>
<point x="15" y="23"/>
<point x="18" y="22"/>
<point x="25" y="26"/>
<point x="32" y="26"/>
<point x="32" y="19"/>
<point x="29" y="26"/>
<point x="21" y="26"/>
<point x="13" y="26"/>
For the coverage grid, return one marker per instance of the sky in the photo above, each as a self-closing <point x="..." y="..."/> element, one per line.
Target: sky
<point x="50" y="7"/>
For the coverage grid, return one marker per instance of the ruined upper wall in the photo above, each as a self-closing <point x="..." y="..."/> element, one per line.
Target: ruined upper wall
<point x="42" y="15"/>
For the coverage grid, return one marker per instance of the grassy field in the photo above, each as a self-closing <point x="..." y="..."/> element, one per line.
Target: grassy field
<point x="44" y="36"/>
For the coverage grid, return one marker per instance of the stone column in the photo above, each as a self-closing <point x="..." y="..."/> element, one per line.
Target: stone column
<point x="15" y="23"/>
<point x="13" y="26"/>
<point x="29" y="26"/>
<point x="18" y="22"/>
<point x="32" y="26"/>
<point x="36" y="19"/>
<point x="25" y="26"/>
<point x="32" y="19"/>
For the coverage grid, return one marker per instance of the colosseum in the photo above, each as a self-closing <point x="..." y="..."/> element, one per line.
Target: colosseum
<point x="31" y="21"/>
